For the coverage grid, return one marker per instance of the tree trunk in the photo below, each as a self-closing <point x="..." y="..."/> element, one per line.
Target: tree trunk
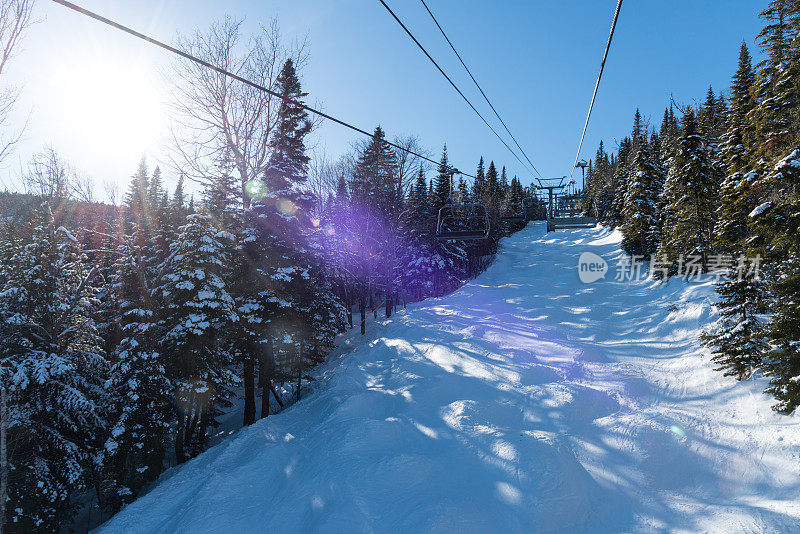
<point x="389" y="304"/>
<point x="275" y="393"/>
<point x="299" y="378"/>
<point x="350" y="312"/>
<point x="265" y="383"/>
<point x="299" y="369"/>
<point x="180" y="453"/>
<point x="266" y="367"/>
<point x="205" y="421"/>
<point x="362" y="307"/>
<point x="3" y="455"/>
<point x="348" y="301"/>
<point x="249" y="391"/>
<point x="188" y="432"/>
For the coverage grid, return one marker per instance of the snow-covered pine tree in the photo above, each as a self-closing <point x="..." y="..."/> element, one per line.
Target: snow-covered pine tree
<point x="777" y="231"/>
<point x="52" y="365"/>
<point x="504" y="185"/>
<point x="443" y="183"/>
<point x="492" y="184"/>
<point x="158" y="229"/>
<point x="257" y="306"/>
<point x="417" y="228"/>
<point x="640" y="215"/>
<point x="155" y="195"/>
<point x="284" y="225"/>
<point x="479" y="185"/>
<point x="142" y="407"/>
<point x="221" y="196"/>
<point x="198" y="315"/>
<point x="619" y="184"/>
<point x="711" y="126"/>
<point x="597" y="180"/>
<point x="177" y="205"/>
<point x="775" y="114"/>
<point x="737" y="198"/>
<point x="136" y="205"/>
<point x="737" y="337"/>
<point x="691" y="191"/>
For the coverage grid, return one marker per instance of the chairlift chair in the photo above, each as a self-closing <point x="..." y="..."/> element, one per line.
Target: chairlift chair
<point x="517" y="216"/>
<point x="463" y="222"/>
<point x="573" y="211"/>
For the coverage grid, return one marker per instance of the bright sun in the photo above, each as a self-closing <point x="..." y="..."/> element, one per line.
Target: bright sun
<point x="111" y="107"/>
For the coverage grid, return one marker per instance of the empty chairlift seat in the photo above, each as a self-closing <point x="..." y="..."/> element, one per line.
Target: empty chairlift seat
<point x="463" y="222"/>
<point x="515" y="214"/>
<point x="574" y="211"/>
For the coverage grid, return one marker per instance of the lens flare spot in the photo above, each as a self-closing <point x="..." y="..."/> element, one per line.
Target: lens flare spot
<point x="314" y="222"/>
<point x="195" y="394"/>
<point x="678" y="431"/>
<point x="256" y="188"/>
<point x="286" y="206"/>
<point x="331" y="231"/>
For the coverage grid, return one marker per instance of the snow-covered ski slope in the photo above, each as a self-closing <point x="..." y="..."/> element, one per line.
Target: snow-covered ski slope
<point x="524" y="402"/>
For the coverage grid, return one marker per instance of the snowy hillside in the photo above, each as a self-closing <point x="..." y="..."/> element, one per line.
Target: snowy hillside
<point x="525" y="402"/>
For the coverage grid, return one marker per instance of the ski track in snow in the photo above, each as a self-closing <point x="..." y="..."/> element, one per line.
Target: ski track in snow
<point x="524" y="402"/>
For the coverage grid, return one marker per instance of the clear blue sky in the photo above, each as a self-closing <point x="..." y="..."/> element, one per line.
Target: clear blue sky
<point x="537" y="61"/>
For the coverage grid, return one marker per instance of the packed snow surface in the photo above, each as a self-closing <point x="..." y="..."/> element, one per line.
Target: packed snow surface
<point x="524" y="402"/>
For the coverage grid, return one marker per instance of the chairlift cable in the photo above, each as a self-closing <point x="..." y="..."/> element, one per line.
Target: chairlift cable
<point x="597" y="85"/>
<point x="231" y="75"/>
<point x="479" y="87"/>
<point x="400" y="22"/>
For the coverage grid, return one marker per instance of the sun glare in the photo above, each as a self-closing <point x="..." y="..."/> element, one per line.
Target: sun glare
<point x="111" y="107"/>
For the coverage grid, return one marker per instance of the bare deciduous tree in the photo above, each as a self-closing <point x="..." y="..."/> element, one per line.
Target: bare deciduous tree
<point x="324" y="174"/>
<point x="15" y="17"/>
<point x="82" y="188"/>
<point x="408" y="163"/>
<point x="220" y="122"/>
<point x="111" y="189"/>
<point x="49" y="176"/>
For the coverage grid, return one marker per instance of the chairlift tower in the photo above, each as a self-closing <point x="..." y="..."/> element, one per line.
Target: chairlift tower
<point x="582" y="164"/>
<point x="550" y="197"/>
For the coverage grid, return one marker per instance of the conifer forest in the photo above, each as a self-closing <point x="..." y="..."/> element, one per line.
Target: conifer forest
<point x="244" y="301"/>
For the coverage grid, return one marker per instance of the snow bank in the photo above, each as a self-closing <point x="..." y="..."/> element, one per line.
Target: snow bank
<point x="524" y="402"/>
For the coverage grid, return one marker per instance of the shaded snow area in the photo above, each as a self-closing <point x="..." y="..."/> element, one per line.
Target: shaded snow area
<point x="524" y="402"/>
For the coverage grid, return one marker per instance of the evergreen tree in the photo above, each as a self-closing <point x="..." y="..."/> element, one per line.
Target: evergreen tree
<point x="619" y="183"/>
<point x="142" y="411"/>
<point x="443" y="184"/>
<point x="178" y="210"/>
<point x="52" y="366"/>
<point x="776" y="91"/>
<point x="288" y="167"/>
<point x="284" y="227"/>
<point x="374" y="177"/>
<point x="691" y="192"/>
<point x="155" y="194"/>
<point x="479" y="185"/>
<point x="136" y="199"/>
<point x="777" y="240"/>
<point x="492" y="183"/>
<point x="342" y="196"/>
<point x="640" y="210"/>
<point x="737" y="198"/>
<point x="197" y="314"/>
<point x="419" y="196"/>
